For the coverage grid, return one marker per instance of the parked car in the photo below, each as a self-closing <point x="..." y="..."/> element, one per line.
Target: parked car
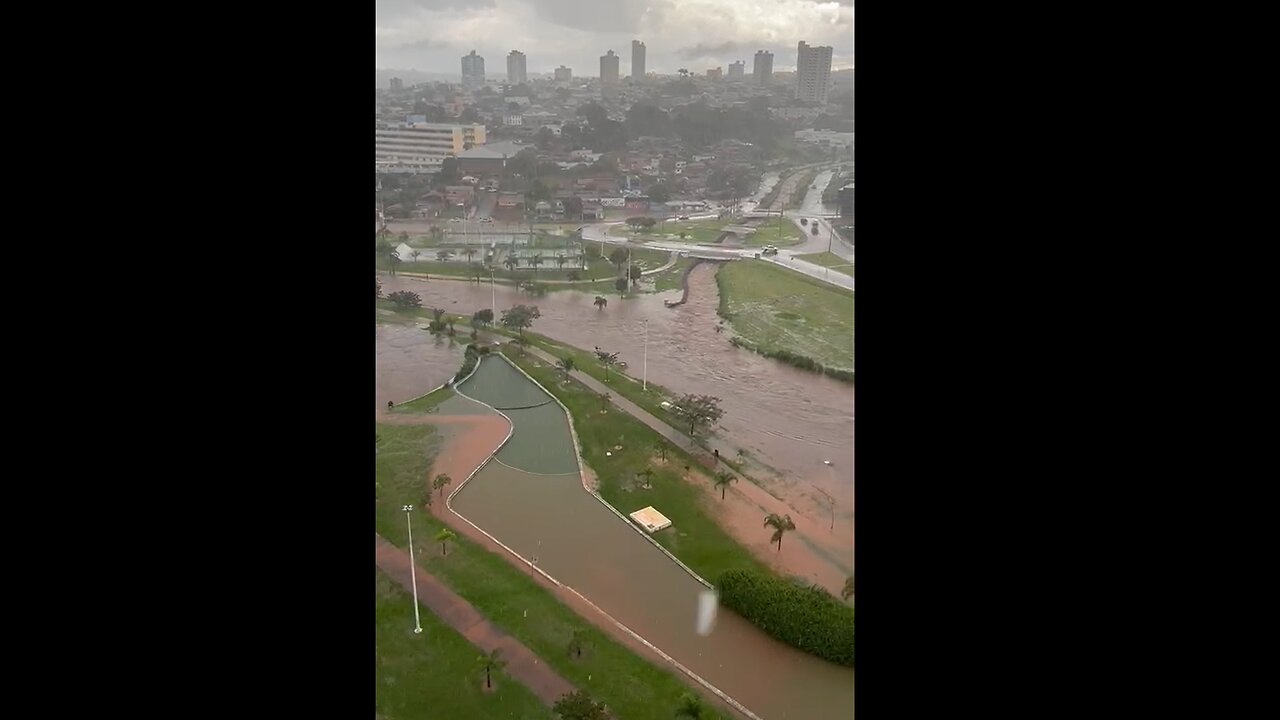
<point x="770" y="250"/>
<point x="683" y="217"/>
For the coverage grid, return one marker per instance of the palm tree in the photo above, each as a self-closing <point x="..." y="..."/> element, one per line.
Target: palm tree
<point x="415" y="255"/>
<point x="469" y="252"/>
<point x="847" y="591"/>
<point x="689" y="707"/>
<point x="511" y="262"/>
<point x="601" y="301"/>
<point x="443" y="537"/>
<point x="606" y="359"/>
<point x="723" y="478"/>
<point x="647" y="474"/>
<point x="661" y="447"/>
<point x="439" y="483"/>
<point x="576" y="642"/>
<point x="560" y="261"/>
<point x="566" y="365"/>
<point x="437" y="313"/>
<point x="780" y="525"/>
<point x="604" y="400"/>
<point x="534" y="262"/>
<point x="492" y="661"/>
<point x="444" y="255"/>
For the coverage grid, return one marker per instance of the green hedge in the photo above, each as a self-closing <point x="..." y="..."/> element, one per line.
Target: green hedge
<point x="469" y="360"/>
<point x="807" y="618"/>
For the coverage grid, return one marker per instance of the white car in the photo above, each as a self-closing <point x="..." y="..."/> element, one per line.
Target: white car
<point x="486" y="220"/>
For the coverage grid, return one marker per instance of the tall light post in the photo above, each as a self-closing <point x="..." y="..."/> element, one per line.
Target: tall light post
<point x="413" y="572"/>
<point x="645" y="385"/>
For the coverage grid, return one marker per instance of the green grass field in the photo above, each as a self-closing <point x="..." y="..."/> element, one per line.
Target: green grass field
<point x="704" y="545"/>
<point x="768" y="234"/>
<point x="633" y="687"/>
<point x="698" y="231"/>
<point x="433" y="674"/>
<point x="831" y="260"/>
<point x="776" y="308"/>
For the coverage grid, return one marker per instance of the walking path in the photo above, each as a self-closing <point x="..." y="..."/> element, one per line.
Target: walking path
<point x="522" y="664"/>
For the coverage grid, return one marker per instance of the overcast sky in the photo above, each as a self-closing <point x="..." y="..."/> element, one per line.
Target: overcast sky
<point x="432" y="35"/>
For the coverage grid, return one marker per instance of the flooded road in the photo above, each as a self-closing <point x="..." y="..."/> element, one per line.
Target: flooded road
<point x="787" y="419"/>
<point x="533" y="501"/>
<point x="411" y="362"/>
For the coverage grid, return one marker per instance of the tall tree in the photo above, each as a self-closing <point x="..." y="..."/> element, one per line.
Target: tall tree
<point x="601" y="302"/>
<point x="606" y="359"/>
<point x="519" y="318"/>
<point x="780" y="525"/>
<point x="621" y="286"/>
<point x="723" y="478"/>
<point x="566" y="366"/>
<point x="700" y="410"/>
<point x="618" y="257"/>
<point x="636" y="273"/>
<point x="560" y="261"/>
<point x="535" y="261"/>
<point x="492" y="661"/>
<point x="482" y="317"/>
<point x="440" y="481"/>
<point x="443" y="537"/>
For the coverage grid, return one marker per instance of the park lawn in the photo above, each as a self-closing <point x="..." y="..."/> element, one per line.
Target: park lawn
<point x="699" y="231"/>
<point x="434" y="674"/>
<point x="700" y="543"/>
<point x="773" y="307"/>
<point x="831" y="260"/>
<point x="629" y="684"/>
<point x="768" y="234"/>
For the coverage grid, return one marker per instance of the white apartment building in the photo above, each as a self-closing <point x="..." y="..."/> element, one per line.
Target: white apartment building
<point x="813" y="73"/>
<point x="424" y="145"/>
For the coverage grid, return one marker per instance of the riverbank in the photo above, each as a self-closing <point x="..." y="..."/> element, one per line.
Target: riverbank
<point x="609" y="670"/>
<point x="776" y="309"/>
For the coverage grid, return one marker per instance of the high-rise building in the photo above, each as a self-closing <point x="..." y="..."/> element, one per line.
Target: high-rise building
<point x="714" y="72"/>
<point x="516" y="68"/>
<point x="813" y="73"/>
<point x="397" y="84"/>
<point x="472" y="70"/>
<point x="637" y="60"/>
<point x="609" y="69"/>
<point x="564" y="74"/>
<point x="762" y="72"/>
<point x="737" y="70"/>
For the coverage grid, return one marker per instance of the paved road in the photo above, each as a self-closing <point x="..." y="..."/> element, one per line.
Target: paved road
<point x="599" y="232"/>
<point x="522" y="664"/>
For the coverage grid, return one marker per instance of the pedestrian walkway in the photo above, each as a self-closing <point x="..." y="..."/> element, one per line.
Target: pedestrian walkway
<point x="522" y="665"/>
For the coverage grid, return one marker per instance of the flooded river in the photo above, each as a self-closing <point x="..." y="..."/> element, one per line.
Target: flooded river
<point x="788" y="419"/>
<point x="410" y="362"/>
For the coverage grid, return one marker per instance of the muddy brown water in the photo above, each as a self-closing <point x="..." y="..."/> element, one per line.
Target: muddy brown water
<point x="411" y="362"/>
<point x="788" y="419"/>
<point x="551" y="520"/>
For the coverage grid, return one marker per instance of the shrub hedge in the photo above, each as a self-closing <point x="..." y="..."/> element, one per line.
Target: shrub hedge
<point x="807" y="618"/>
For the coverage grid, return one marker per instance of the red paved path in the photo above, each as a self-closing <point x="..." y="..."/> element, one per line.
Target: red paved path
<point x="522" y="664"/>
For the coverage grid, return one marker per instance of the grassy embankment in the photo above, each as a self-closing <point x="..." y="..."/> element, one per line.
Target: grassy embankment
<point x="778" y="310"/>
<point x="434" y="674"/>
<point x="630" y="685"/>
<point x="831" y="260"/>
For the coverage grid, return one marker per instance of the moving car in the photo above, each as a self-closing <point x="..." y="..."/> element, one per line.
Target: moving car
<point x="770" y="250"/>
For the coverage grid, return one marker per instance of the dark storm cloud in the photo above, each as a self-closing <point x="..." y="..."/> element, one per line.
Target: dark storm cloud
<point x="729" y="47"/>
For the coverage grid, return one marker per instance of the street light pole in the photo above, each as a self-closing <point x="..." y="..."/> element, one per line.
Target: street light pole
<point x="645" y="385"/>
<point x="413" y="572"/>
<point x="830" y="499"/>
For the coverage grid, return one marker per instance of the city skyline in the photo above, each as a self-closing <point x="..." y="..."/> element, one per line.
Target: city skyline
<point x="430" y="35"/>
